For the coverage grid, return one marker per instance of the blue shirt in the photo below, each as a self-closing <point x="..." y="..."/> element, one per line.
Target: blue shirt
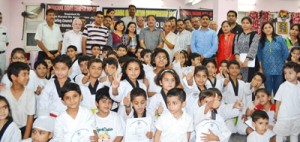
<point x="204" y="42"/>
<point x="273" y="56"/>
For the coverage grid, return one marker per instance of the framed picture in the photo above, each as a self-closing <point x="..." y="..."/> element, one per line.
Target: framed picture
<point x="282" y="28"/>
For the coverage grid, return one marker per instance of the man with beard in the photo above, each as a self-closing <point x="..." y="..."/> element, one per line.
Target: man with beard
<point x="107" y="23"/>
<point x="204" y="41"/>
<point x="131" y="17"/>
<point x="183" y="38"/>
<point x="235" y="27"/>
<point x="150" y="37"/>
<point x="48" y="37"/>
<point x="73" y="37"/>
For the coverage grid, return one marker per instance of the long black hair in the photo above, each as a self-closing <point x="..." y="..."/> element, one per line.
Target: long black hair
<point x="263" y="37"/>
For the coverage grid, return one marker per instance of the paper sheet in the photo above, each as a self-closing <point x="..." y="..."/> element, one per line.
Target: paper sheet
<point x="243" y="58"/>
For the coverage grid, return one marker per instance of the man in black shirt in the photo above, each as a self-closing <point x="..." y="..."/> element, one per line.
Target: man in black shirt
<point x="235" y="27"/>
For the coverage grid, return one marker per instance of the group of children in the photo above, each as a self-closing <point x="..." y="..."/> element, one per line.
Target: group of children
<point x="83" y="98"/>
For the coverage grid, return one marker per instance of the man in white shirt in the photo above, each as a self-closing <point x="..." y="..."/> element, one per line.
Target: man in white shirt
<point x="48" y="37"/>
<point x="168" y="38"/>
<point x="73" y="37"/>
<point x="183" y="38"/>
<point x="3" y="44"/>
<point x="131" y="17"/>
<point x="140" y="22"/>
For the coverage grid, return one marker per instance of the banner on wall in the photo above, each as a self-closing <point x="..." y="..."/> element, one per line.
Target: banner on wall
<point x="66" y="13"/>
<point x="190" y="13"/>
<point x="161" y="14"/>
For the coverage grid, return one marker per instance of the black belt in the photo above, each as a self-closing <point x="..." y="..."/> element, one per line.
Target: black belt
<point x="2" y="52"/>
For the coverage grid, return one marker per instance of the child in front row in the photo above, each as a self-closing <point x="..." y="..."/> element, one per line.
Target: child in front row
<point x="288" y="105"/>
<point x="20" y="97"/>
<point x="42" y="129"/>
<point x="76" y="123"/>
<point x="108" y="123"/>
<point x="260" y="121"/>
<point x="209" y="125"/>
<point x="174" y="125"/>
<point x="135" y="107"/>
<point x="9" y="129"/>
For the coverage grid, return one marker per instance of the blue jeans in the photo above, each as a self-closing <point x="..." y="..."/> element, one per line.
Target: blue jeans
<point x="273" y="82"/>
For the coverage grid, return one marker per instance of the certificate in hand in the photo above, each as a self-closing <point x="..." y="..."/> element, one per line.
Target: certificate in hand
<point x="136" y="129"/>
<point x="205" y="126"/>
<point x="243" y="58"/>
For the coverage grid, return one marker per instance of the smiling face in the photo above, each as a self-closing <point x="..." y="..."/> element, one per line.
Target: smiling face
<point x="294" y="31"/>
<point x="41" y="71"/>
<point x="161" y="60"/>
<point x="99" y="19"/>
<point x="61" y="70"/>
<point x="263" y="98"/>
<point x="77" y="24"/>
<point x="151" y="21"/>
<point x="200" y="78"/>
<point x="268" y="29"/>
<point x="22" y="78"/>
<point x="133" y="70"/>
<point x="211" y="69"/>
<point x="72" y="99"/>
<point x="104" y="105"/>
<point x="168" y="81"/>
<point x="226" y="27"/>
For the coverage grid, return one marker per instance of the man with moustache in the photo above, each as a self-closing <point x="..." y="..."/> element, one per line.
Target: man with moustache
<point x="73" y="37"/>
<point x="107" y="23"/>
<point x="169" y="39"/>
<point x="196" y="23"/>
<point x="131" y="17"/>
<point x="183" y="38"/>
<point x="204" y="41"/>
<point x="150" y="37"/>
<point x="48" y="37"/>
<point x="188" y="25"/>
<point x="235" y="27"/>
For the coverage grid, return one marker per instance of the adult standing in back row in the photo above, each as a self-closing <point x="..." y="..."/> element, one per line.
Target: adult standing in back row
<point x="235" y="27"/>
<point x="204" y="41"/>
<point x="150" y="37"/>
<point x="94" y="33"/>
<point x="131" y="17"/>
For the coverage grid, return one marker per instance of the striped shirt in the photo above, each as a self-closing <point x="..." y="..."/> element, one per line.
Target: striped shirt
<point x="95" y="35"/>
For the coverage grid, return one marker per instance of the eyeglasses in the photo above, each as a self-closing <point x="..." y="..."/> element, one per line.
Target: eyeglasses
<point x="160" y="58"/>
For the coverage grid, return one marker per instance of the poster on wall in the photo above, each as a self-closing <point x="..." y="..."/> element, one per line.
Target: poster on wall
<point x="190" y="13"/>
<point x="161" y="14"/>
<point x="282" y="28"/>
<point x="66" y="13"/>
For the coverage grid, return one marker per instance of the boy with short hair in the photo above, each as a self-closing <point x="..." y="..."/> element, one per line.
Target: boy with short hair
<point x="96" y="50"/>
<point x="105" y="50"/>
<point x="50" y="100"/>
<point x="108" y="123"/>
<point x="19" y="55"/>
<point x="72" y="53"/>
<point x="195" y="59"/>
<point x="145" y="57"/>
<point x="260" y="120"/>
<point x="76" y="123"/>
<point x="110" y="66"/>
<point x="20" y="97"/>
<point x="82" y="62"/>
<point x="122" y="50"/>
<point x="42" y="129"/>
<point x="288" y="105"/>
<point x="174" y="125"/>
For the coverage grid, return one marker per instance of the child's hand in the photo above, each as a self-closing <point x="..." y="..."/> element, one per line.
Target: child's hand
<point x="238" y="104"/>
<point x="94" y="138"/>
<point x="256" y="101"/>
<point x="38" y="90"/>
<point x="2" y="86"/>
<point x="126" y="101"/>
<point x="244" y="117"/>
<point x="216" y="103"/>
<point x="190" y="75"/>
<point x="209" y="136"/>
<point x="160" y="109"/>
<point x="85" y="79"/>
<point x="149" y="135"/>
<point x="146" y="82"/>
<point x="116" y="81"/>
<point x="177" y="56"/>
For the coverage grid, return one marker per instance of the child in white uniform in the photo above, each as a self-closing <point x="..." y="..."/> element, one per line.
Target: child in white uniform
<point x="76" y="123"/>
<point x="9" y="130"/>
<point x="288" y="105"/>
<point x="50" y="100"/>
<point x="174" y="125"/>
<point x="132" y="76"/>
<point x="108" y="123"/>
<point x="260" y="120"/>
<point x="135" y="107"/>
<point x="213" y="81"/>
<point x="42" y="129"/>
<point x="82" y="62"/>
<point x="20" y="98"/>
<point x="209" y="125"/>
<point x="167" y="79"/>
<point x="146" y="59"/>
<point x="72" y="53"/>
